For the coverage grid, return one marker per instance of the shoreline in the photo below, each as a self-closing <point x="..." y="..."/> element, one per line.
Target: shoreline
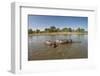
<point x="59" y="33"/>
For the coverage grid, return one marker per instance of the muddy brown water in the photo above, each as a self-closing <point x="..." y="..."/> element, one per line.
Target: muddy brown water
<point x="37" y="50"/>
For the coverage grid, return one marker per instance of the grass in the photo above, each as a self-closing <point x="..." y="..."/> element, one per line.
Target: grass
<point x="59" y="33"/>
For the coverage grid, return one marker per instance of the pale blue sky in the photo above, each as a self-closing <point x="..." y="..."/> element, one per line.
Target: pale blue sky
<point x="44" y="21"/>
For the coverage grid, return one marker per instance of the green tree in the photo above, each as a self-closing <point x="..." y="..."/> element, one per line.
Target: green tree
<point x="69" y="29"/>
<point x="58" y="30"/>
<point x="30" y="31"/>
<point x="65" y="29"/>
<point x="80" y="30"/>
<point x="46" y="29"/>
<point x="52" y="29"/>
<point x="37" y="31"/>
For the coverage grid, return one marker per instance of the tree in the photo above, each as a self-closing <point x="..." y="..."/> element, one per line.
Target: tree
<point x="52" y="29"/>
<point x="37" y="31"/>
<point x="30" y="31"/>
<point x="46" y="29"/>
<point x="80" y="30"/>
<point x="58" y="30"/>
<point x="65" y="29"/>
<point x="69" y="29"/>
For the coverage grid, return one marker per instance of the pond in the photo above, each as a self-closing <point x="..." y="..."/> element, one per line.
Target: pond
<point x="37" y="50"/>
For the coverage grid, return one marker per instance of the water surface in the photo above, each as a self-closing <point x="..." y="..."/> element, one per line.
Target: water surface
<point x="37" y="50"/>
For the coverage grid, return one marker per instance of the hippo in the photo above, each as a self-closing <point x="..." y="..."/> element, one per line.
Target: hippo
<point x="59" y="41"/>
<point x="54" y="44"/>
<point x="64" y="41"/>
<point x="48" y="42"/>
<point x="51" y="43"/>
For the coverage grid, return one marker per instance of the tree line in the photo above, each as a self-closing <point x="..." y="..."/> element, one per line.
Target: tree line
<point x="54" y="29"/>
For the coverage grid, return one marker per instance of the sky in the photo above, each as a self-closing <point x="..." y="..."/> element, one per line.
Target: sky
<point x="43" y="21"/>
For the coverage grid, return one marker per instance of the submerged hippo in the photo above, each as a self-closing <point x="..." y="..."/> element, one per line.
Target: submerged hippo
<point x="54" y="44"/>
<point x="64" y="41"/>
<point x="57" y="42"/>
<point x="48" y="42"/>
<point x="51" y="43"/>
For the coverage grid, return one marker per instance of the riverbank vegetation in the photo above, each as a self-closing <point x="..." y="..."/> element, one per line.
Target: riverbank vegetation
<point x="53" y="30"/>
